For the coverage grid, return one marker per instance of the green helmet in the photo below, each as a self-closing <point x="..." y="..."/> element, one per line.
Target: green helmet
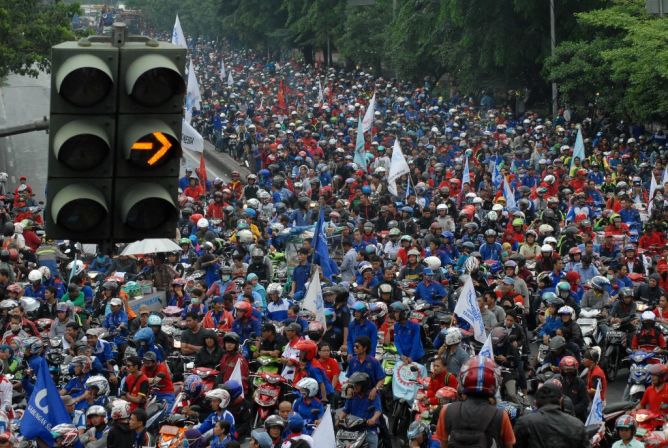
<point x="183" y="241"/>
<point x="518" y="222"/>
<point x="564" y="286"/>
<point x="132" y="288"/>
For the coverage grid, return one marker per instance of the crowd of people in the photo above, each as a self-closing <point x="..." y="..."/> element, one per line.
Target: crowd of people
<point x="492" y="197"/>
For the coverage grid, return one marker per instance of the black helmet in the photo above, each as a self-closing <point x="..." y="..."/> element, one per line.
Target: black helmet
<point x="231" y="337"/>
<point x="274" y="420"/>
<point x="4" y="255"/>
<point x="360" y="378"/>
<point x="499" y="336"/>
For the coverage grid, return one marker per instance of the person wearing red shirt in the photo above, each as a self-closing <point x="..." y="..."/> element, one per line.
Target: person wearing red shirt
<point x="329" y="365"/>
<point x="652" y="238"/>
<point x="194" y="190"/>
<point x="229" y="360"/>
<point x="661" y="311"/>
<point x="235" y="185"/>
<point x="440" y="377"/>
<point x="595" y="374"/>
<point x="136" y="387"/>
<point x="655" y="397"/>
<point x="159" y="378"/>
<point x="215" y="210"/>
<point x="649" y="336"/>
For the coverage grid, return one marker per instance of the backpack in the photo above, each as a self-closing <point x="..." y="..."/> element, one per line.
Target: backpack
<point x="483" y="431"/>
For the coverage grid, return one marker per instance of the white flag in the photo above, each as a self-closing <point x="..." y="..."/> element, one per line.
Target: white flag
<point x="190" y="138"/>
<point x="236" y="375"/>
<point x="596" y="413"/>
<point x="230" y="80"/>
<point x="652" y="189"/>
<point x="193" y="95"/>
<point x="178" y="38"/>
<point x="222" y="70"/>
<point x="665" y="177"/>
<point x="321" y="94"/>
<point x="467" y="308"/>
<point x="367" y="122"/>
<point x="509" y="194"/>
<point x="323" y="435"/>
<point x="313" y="300"/>
<point x="398" y="167"/>
<point x="487" y="349"/>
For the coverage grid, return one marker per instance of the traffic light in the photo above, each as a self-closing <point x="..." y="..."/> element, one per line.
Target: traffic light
<point x="150" y="114"/>
<point x="114" y="141"/>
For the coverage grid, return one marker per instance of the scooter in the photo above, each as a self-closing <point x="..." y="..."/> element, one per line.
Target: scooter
<point x="266" y="364"/>
<point x="639" y="378"/>
<point x="615" y="346"/>
<point x="209" y="377"/>
<point x="351" y="433"/>
<point x="266" y="395"/>
<point x="588" y="322"/>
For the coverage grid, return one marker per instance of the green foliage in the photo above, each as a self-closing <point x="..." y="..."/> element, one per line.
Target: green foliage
<point x="28" y="30"/>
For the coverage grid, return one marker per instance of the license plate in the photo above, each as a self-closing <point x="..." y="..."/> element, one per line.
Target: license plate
<point x="348" y="435"/>
<point x="616" y="334"/>
<point x="268" y="392"/>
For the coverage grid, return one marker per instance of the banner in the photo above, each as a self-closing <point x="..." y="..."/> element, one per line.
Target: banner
<point x="368" y="115"/>
<point x="222" y="70"/>
<point x="313" y="300"/>
<point x="509" y="194"/>
<point x="652" y="189"/>
<point x="360" y="153"/>
<point x="467" y="308"/>
<point x="178" y="38"/>
<point x="578" y="151"/>
<point x="190" y="138"/>
<point x="487" y="349"/>
<point x="596" y="413"/>
<point x="398" y="167"/>
<point x="193" y="95"/>
<point x="323" y="435"/>
<point x="321" y="250"/>
<point x="466" y="175"/>
<point x="236" y="375"/>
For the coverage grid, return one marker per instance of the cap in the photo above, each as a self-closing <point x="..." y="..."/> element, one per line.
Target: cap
<point x="217" y="299"/>
<point x="115" y="302"/>
<point x="150" y="356"/>
<point x="143" y="310"/>
<point x="262" y="438"/>
<point x="92" y="332"/>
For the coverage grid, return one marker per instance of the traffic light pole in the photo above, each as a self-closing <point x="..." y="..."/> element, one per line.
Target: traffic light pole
<point x="37" y="125"/>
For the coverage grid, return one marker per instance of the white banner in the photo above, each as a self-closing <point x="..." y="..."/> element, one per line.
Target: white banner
<point x="313" y="300"/>
<point x="467" y="308"/>
<point x="398" y="167"/>
<point x="178" y="38"/>
<point x="368" y="115"/>
<point x="190" y="138"/>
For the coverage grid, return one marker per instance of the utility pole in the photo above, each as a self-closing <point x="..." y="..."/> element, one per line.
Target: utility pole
<point x="552" y="45"/>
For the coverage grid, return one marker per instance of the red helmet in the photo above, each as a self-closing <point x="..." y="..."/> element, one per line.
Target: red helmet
<point x="243" y="306"/>
<point x="626" y="422"/>
<point x="661" y="370"/>
<point x="568" y="364"/>
<point x="478" y="376"/>
<point x="446" y="394"/>
<point x="308" y="349"/>
<point x="196" y="217"/>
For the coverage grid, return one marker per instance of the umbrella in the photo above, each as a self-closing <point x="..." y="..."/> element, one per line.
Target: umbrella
<point x="150" y="246"/>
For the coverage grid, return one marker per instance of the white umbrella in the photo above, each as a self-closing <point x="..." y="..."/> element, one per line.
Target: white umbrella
<point x="151" y="246"/>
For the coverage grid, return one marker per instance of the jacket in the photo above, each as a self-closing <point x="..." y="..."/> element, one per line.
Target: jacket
<point x="550" y="427"/>
<point x="210" y="359"/>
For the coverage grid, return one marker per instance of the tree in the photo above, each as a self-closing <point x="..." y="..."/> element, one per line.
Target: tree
<point x="28" y="30"/>
<point x="363" y="41"/>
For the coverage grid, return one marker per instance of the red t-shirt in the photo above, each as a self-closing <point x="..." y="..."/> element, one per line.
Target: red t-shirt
<point x="332" y="369"/>
<point x="656" y="400"/>
<point x="165" y="385"/>
<point x="438" y="382"/>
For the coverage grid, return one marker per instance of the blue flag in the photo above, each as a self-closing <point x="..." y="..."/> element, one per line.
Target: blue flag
<point x="360" y="153"/>
<point x="321" y="251"/>
<point x="578" y="151"/>
<point x="45" y="409"/>
<point x="466" y="175"/>
<point x="497" y="177"/>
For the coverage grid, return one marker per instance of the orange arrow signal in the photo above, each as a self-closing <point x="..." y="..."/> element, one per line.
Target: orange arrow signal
<point x="148" y="146"/>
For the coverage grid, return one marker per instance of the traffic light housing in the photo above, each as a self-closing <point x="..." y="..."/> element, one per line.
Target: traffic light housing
<point x="114" y="140"/>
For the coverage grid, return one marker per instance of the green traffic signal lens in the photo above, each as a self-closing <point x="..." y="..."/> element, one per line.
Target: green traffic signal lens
<point x="157" y="86"/>
<point x="85" y="87"/>
<point x="149" y="214"/>
<point x="83" y="152"/>
<point x="81" y="215"/>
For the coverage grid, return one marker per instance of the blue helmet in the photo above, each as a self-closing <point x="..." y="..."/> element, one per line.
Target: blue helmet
<point x="251" y="213"/>
<point x="234" y="388"/>
<point x="193" y="385"/>
<point x="194" y="239"/>
<point x="295" y="423"/>
<point x="144" y="335"/>
<point x="366" y="189"/>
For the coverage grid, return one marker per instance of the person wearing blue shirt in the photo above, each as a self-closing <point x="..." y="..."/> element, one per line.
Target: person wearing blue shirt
<point x="246" y="325"/>
<point x="277" y="308"/>
<point x="36" y="287"/>
<point x="307" y="405"/>
<point x="184" y="182"/>
<point x="361" y="326"/>
<point x="220" y="398"/>
<point x="428" y="290"/>
<point x="300" y="275"/>
<point x="362" y="362"/>
<point x="116" y="322"/>
<point x="76" y="386"/>
<point x="364" y="407"/>
<point x="293" y="317"/>
<point x="407" y="338"/>
<point x="101" y="263"/>
<point x="490" y="249"/>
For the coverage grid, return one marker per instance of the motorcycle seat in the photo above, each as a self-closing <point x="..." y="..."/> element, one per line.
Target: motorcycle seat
<point x="619" y="406"/>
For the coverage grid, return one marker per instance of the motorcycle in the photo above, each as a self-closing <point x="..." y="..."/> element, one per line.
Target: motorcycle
<point x="639" y="377"/>
<point x="264" y="364"/>
<point x="208" y="376"/>
<point x="351" y="433"/>
<point x="266" y="395"/>
<point x="172" y="432"/>
<point x="650" y="429"/>
<point x="588" y="322"/>
<point x="603" y="434"/>
<point x="615" y="345"/>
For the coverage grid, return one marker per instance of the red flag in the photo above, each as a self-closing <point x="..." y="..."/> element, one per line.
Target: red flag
<point x="201" y="171"/>
<point x="281" y="96"/>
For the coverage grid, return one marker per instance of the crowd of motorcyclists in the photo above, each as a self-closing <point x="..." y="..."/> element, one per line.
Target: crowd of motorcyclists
<point x="566" y="256"/>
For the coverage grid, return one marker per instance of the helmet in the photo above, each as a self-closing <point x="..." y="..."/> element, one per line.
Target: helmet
<point x="546" y="248"/>
<point x="544" y="229"/>
<point x="77" y="266"/>
<point x="414" y="252"/>
<point x="144" y="335"/>
<point x="647" y="316"/>
<point x="120" y="409"/>
<point x="518" y="222"/>
<point x="272" y="421"/>
<point x="490" y="232"/>
<point x="234" y="388"/>
<point x="400" y="307"/>
<point x="231" y="337"/>
<point x="385" y="288"/>
<point x="626" y="422"/>
<point x="112" y="285"/>
<point x="418" y="427"/>
<point x="315" y="330"/>
<point x="563" y="286"/>
<point x="243" y="307"/>
<point x="557" y="343"/>
<point x="550" y="240"/>
<point x="274" y="288"/>
<point x="67" y="431"/>
<point x="568" y="364"/>
<point x="394" y="232"/>
<point x="472" y="264"/>
<point x="35" y="276"/>
<point x="360" y="307"/>
<point x="193" y="386"/>
<point x="380" y="308"/>
<point x="250" y="212"/>
<point x="308" y="348"/>
<point x="34" y="345"/>
<point x="567" y="310"/>
<point x="185" y="241"/>
<point x="360" y="378"/>
<point x="179" y="281"/>
<point x="309" y="385"/>
<point x="660" y="370"/>
<point x="446" y="394"/>
<point x="499" y="336"/>
<point x="599" y="282"/>
<point x="492" y="216"/>
<point x="253" y="203"/>
<point x="83" y="361"/>
<point x="295" y="423"/>
<point x="434" y="263"/>
<point x="96" y="410"/>
<point x="453" y="336"/>
<point x="245" y="236"/>
<point x="219" y="394"/>
<point x="100" y="383"/>
<point x="478" y="376"/>
<point x="203" y="223"/>
<point x="154" y="321"/>
<point x="626" y="292"/>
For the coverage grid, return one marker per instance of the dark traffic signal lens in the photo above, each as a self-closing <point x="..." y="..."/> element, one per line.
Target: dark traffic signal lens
<point x="157" y="86"/>
<point x="149" y="214"/>
<point x="83" y="151"/>
<point x="85" y="86"/>
<point x="81" y="215"/>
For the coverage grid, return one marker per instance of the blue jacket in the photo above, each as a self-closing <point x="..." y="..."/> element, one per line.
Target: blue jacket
<point x="305" y="410"/>
<point x="434" y="293"/>
<point x="407" y="340"/>
<point x="113" y="321"/>
<point x="36" y="293"/>
<point x="362" y="407"/>
<point x="366" y="328"/>
<point x="371" y="366"/>
<point x="214" y="418"/>
<point x="246" y="329"/>
<point x="491" y="251"/>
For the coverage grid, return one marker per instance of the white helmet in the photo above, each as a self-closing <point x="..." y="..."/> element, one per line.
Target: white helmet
<point x="219" y="394"/>
<point x="277" y="228"/>
<point x="77" y="266"/>
<point x="97" y="410"/>
<point x="120" y="409"/>
<point x="433" y="262"/>
<point x="568" y="310"/>
<point x="100" y="383"/>
<point x="46" y="272"/>
<point x="253" y="203"/>
<point x="497" y="208"/>
<point x="544" y="229"/>
<point x="550" y="240"/>
<point x="549" y="179"/>
<point x="29" y="304"/>
<point x="546" y="248"/>
<point x="203" y="223"/>
<point x="472" y="264"/>
<point x="274" y="288"/>
<point x="453" y="336"/>
<point x="492" y="216"/>
<point x="263" y="194"/>
<point x="440" y="207"/>
<point x="647" y="315"/>
<point x="245" y="236"/>
<point x="310" y="385"/>
<point x="35" y="276"/>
